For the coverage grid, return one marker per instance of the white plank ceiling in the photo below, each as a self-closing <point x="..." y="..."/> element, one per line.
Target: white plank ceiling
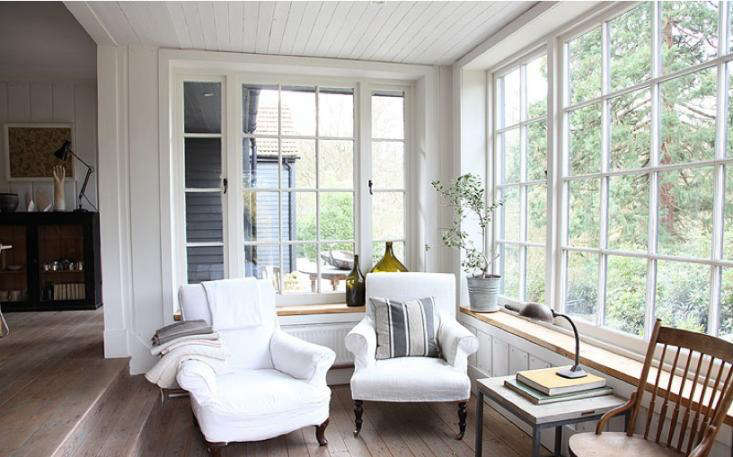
<point x="408" y="32"/>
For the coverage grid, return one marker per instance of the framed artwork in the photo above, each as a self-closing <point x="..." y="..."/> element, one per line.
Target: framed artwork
<point x="29" y="150"/>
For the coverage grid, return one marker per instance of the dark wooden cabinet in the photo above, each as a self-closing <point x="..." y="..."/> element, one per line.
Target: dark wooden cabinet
<point x="53" y="263"/>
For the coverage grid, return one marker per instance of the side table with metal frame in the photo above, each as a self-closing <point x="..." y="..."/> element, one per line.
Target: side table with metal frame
<point x="539" y="417"/>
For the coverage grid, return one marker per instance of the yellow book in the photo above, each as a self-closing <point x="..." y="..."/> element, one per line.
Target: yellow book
<point x="549" y="383"/>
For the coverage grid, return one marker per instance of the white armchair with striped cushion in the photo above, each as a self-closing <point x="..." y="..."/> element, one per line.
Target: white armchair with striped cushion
<point x="412" y="379"/>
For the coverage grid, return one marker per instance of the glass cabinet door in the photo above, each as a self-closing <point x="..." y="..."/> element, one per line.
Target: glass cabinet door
<point x="13" y="264"/>
<point x="61" y="263"/>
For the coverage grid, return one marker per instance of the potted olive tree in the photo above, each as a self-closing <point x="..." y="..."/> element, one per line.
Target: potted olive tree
<point x="466" y="196"/>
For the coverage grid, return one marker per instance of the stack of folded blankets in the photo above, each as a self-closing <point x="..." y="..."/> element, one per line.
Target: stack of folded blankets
<point x="187" y="340"/>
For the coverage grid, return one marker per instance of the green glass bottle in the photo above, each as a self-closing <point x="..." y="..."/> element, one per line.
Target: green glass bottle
<point x="355" y="287"/>
<point x="389" y="262"/>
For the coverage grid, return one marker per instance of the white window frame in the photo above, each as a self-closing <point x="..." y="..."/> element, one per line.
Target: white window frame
<point x="558" y="178"/>
<point x="497" y="167"/>
<point x="232" y="136"/>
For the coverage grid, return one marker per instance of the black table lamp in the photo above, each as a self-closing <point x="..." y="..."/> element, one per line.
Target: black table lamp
<point x="63" y="153"/>
<point x="539" y="312"/>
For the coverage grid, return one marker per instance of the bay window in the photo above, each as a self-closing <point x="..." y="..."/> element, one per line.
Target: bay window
<point x="272" y="180"/>
<point x="641" y="207"/>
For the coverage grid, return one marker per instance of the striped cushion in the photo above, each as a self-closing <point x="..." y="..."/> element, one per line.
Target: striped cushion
<point x="406" y="329"/>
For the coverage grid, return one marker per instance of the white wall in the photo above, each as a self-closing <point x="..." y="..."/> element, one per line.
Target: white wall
<point x="48" y="74"/>
<point x="135" y="185"/>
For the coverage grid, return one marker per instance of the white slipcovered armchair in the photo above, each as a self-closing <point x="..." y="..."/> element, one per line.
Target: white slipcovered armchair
<point x="276" y="382"/>
<point x="412" y="379"/>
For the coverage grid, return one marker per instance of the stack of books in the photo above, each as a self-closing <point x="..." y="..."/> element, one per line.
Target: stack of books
<point x="545" y="386"/>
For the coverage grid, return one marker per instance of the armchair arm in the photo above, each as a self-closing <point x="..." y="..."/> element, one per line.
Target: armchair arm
<point x="362" y="342"/>
<point x="199" y="379"/>
<point x="300" y="359"/>
<point x="456" y="343"/>
<point x="615" y="412"/>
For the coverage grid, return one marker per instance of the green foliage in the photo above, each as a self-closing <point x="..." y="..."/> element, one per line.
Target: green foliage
<point x="336" y="221"/>
<point x="687" y="134"/>
<point x="467" y="197"/>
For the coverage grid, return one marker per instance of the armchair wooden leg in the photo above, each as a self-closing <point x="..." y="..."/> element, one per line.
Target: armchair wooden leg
<point x="320" y="433"/>
<point x="215" y="448"/>
<point x="358" y="411"/>
<point x="461" y="419"/>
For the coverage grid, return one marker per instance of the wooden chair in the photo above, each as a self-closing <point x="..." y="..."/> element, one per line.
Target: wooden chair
<point x="710" y="384"/>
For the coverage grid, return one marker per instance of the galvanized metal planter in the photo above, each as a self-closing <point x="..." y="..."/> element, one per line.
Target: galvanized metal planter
<point x="483" y="293"/>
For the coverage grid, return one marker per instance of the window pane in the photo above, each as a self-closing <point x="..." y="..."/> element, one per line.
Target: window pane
<point x="298" y="105"/>
<point x="388" y="117"/>
<point x="631" y="47"/>
<point x="729" y="149"/>
<point x="336" y="215"/>
<point x="582" y="286"/>
<point x="336" y="164"/>
<point x="299" y="163"/>
<point x="336" y="112"/>
<point x="511" y="98"/>
<point x="536" y="151"/>
<point x="398" y="248"/>
<point x="263" y="262"/>
<point x="260" y="163"/>
<point x="512" y="211"/>
<point x="259" y="109"/>
<point x="626" y="294"/>
<point x="630" y="130"/>
<point x="725" y="330"/>
<point x="689" y="34"/>
<point x="301" y="271"/>
<point x="584" y="140"/>
<point x="204" y="222"/>
<point x="261" y="220"/>
<point x="537" y="87"/>
<point x="537" y="213"/>
<point x="628" y="212"/>
<point x="686" y="212"/>
<point x="536" y="275"/>
<point x="388" y="216"/>
<point x="388" y="164"/>
<point x="584" y="53"/>
<point x="203" y="162"/>
<point x="683" y="294"/>
<point x="688" y="118"/>
<point x="728" y="214"/>
<point x="205" y="263"/>
<point x="512" y="153"/>
<point x="202" y="107"/>
<point x="511" y="271"/>
<point x="584" y="212"/>
<point x="301" y="209"/>
<point x="333" y="270"/>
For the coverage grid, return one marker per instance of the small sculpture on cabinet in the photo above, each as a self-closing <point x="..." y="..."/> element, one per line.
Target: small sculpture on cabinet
<point x="59" y="202"/>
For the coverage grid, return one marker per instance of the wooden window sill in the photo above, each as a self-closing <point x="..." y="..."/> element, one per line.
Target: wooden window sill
<point x="615" y="365"/>
<point x="307" y="310"/>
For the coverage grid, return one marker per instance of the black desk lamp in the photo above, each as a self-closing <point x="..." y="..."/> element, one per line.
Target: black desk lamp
<point x="539" y="312"/>
<point x="63" y="153"/>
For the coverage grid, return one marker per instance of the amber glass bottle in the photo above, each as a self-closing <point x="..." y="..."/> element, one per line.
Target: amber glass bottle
<point x="389" y="262"/>
<point x="355" y="289"/>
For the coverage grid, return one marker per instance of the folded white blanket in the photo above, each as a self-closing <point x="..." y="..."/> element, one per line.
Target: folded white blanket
<point x="155" y="350"/>
<point x="210" y="343"/>
<point x="234" y="303"/>
<point x="164" y="372"/>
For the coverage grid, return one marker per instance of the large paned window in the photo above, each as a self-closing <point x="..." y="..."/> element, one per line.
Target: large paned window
<point x="521" y="177"/>
<point x="272" y="174"/>
<point x="643" y="218"/>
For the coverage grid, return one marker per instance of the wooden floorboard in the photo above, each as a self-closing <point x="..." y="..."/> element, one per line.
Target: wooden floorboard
<point x="57" y="393"/>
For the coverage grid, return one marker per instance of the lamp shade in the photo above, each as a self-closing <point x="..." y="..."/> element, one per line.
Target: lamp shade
<point x="63" y="152"/>
<point x="537" y="311"/>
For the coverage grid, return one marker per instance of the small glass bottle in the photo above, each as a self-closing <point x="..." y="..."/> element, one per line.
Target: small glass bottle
<point x="355" y="289"/>
<point x="389" y="262"/>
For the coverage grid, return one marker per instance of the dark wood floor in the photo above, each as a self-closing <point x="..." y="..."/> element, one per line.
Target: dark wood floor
<point x="59" y="397"/>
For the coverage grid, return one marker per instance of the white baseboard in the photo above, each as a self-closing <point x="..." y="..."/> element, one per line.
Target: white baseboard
<point x="115" y="344"/>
